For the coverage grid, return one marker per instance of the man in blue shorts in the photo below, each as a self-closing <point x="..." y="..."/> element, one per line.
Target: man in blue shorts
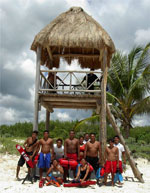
<point x="46" y="154"/>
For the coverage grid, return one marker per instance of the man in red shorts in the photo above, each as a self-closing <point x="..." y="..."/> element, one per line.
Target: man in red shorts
<point x="121" y="152"/>
<point x="71" y="149"/>
<point x="112" y="161"/>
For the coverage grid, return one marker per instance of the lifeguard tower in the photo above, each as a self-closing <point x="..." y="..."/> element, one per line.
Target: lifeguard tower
<point x="74" y="35"/>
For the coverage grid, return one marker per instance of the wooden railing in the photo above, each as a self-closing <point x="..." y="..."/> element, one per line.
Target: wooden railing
<point x="71" y="82"/>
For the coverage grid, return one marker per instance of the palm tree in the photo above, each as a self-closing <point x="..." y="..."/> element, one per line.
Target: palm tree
<point x="129" y="83"/>
<point x="129" y="86"/>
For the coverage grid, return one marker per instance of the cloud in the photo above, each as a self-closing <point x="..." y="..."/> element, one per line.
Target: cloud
<point x="63" y="116"/>
<point x="141" y="120"/>
<point x="142" y="36"/>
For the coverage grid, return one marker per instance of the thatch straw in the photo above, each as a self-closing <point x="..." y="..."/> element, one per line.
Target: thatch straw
<point x="74" y="32"/>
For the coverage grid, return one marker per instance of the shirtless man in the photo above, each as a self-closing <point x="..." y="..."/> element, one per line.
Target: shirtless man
<point x="71" y="149"/>
<point x="30" y="146"/>
<point x="112" y="163"/>
<point x="92" y="149"/>
<point x="45" y="157"/>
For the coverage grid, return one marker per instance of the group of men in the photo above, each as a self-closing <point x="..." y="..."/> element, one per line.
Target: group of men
<point x="73" y="148"/>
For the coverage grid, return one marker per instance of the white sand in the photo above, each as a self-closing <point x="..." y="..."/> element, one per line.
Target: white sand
<point x="9" y="184"/>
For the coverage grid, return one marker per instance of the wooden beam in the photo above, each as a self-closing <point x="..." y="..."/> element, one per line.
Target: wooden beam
<point x="49" y="53"/>
<point x="66" y="99"/>
<point x="73" y="104"/>
<point x="73" y="107"/>
<point x="47" y="106"/>
<point x="103" y="131"/>
<point x="77" y="55"/>
<point x="73" y="71"/>
<point x="37" y="84"/>
<point x="132" y="163"/>
<point x="47" y="120"/>
<point x="74" y="91"/>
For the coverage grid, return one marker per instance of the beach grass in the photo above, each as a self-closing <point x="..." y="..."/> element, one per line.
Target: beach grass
<point x="8" y="144"/>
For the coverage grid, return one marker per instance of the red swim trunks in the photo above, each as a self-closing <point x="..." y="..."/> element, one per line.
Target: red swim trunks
<point x="110" y="167"/>
<point x="72" y="156"/>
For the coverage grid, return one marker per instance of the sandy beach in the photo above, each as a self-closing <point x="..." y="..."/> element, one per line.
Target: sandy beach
<point x="8" y="182"/>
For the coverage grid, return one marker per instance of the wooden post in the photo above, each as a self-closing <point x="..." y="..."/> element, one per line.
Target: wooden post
<point x="47" y="120"/>
<point x="132" y="163"/>
<point x="37" y="83"/>
<point x="103" y="129"/>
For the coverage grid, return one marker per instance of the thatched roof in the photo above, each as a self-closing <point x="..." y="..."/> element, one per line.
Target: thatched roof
<point x="73" y="34"/>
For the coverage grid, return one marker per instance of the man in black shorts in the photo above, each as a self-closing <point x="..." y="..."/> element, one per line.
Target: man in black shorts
<point x="92" y="150"/>
<point x="30" y="148"/>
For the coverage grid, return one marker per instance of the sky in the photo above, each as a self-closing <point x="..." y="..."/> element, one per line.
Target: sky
<point x="127" y="22"/>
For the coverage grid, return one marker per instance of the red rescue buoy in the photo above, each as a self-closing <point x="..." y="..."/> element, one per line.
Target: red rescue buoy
<point x="68" y="163"/>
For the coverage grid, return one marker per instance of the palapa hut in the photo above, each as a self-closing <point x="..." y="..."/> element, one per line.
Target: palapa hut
<point x="74" y="35"/>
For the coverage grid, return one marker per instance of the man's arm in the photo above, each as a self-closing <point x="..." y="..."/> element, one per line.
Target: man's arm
<point x="78" y="148"/>
<point x="35" y="150"/>
<point x="52" y="148"/>
<point x="49" y="170"/>
<point x="60" y="168"/>
<point x="65" y="149"/>
<point x="124" y="157"/>
<point x="117" y="152"/>
<point x="25" y="145"/>
<point x="78" y="174"/>
<point x="85" y="150"/>
<point x="100" y="152"/>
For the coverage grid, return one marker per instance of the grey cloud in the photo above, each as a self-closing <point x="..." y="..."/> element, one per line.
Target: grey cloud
<point x="122" y="27"/>
<point x="16" y="83"/>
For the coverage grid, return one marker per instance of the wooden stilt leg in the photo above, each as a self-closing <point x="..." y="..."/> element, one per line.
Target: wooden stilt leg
<point x="37" y="83"/>
<point x="47" y="120"/>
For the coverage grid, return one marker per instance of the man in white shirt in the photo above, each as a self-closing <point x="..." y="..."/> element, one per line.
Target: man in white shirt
<point x="86" y="138"/>
<point x="121" y="152"/>
<point x="58" y="149"/>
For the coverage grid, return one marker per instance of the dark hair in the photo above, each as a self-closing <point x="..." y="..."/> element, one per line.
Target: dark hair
<point x="36" y="132"/>
<point x="71" y="131"/>
<point x="54" y="160"/>
<point x="92" y="134"/>
<point x="116" y="136"/>
<point x="45" y="131"/>
<point x="86" y="134"/>
<point x="59" y="140"/>
<point x="81" y="137"/>
<point x="110" y="140"/>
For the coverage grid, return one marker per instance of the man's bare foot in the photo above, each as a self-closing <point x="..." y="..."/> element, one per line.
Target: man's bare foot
<point x="17" y="179"/>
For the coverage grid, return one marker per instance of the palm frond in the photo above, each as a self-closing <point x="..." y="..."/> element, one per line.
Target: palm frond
<point x="83" y="121"/>
<point x="142" y="61"/>
<point x="141" y="107"/>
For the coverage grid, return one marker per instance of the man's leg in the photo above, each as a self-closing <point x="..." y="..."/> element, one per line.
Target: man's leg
<point x="112" y="182"/>
<point x="17" y="171"/>
<point x="105" y="178"/>
<point x="65" y="174"/>
<point x="20" y="164"/>
<point x="41" y="173"/>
